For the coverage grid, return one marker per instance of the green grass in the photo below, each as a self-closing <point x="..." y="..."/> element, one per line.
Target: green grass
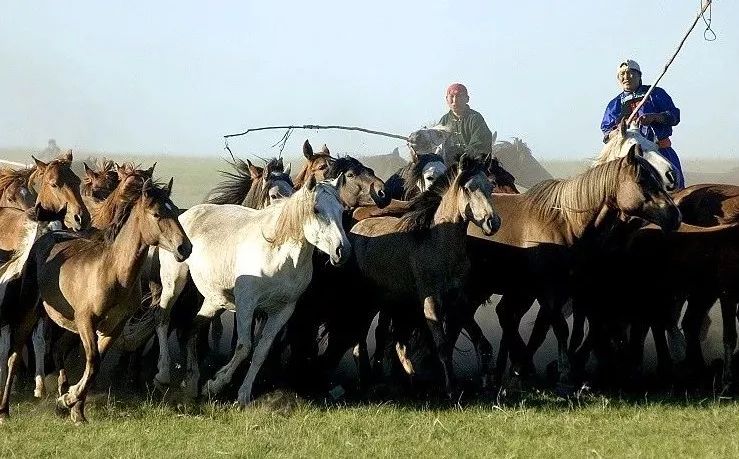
<point x="535" y="427"/>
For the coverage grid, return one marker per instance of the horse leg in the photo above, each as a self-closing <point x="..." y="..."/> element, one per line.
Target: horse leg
<point x="728" y="315"/>
<point x="674" y="335"/>
<point x="698" y="307"/>
<point x="78" y="392"/>
<point x="382" y="332"/>
<point x="38" y="338"/>
<point x="542" y="323"/>
<point x="432" y="312"/>
<point x="173" y="277"/>
<point x="510" y="310"/>
<point x="483" y="348"/>
<point x="562" y="333"/>
<point x="272" y="327"/>
<point x="5" y="341"/>
<point x="578" y="328"/>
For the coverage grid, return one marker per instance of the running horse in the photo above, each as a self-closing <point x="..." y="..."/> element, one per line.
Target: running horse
<point x="90" y="285"/>
<point x="405" y="273"/>
<point x="268" y="264"/>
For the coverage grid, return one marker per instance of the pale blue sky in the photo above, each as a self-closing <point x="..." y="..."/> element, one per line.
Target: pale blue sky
<point x="173" y="77"/>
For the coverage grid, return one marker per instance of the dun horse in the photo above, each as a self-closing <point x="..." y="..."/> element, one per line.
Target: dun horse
<point x="91" y="285"/>
<point x="541" y="231"/>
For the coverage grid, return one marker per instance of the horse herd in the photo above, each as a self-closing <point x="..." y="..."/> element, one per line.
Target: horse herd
<point x="420" y="252"/>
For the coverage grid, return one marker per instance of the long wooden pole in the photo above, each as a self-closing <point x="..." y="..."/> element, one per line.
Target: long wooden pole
<point x="315" y="126"/>
<point x="674" y="55"/>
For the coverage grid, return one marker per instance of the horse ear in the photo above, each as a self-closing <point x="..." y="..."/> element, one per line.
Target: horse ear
<point x="311" y="183"/>
<point x="88" y="171"/>
<point x="39" y="164"/>
<point x="121" y="170"/>
<point x="280" y="165"/>
<point x="495" y="137"/>
<point x="324" y="149"/>
<point x="254" y="171"/>
<point x="168" y="188"/>
<point x="622" y="127"/>
<point x="68" y="155"/>
<point x="150" y="171"/>
<point x="287" y="169"/>
<point x="307" y="150"/>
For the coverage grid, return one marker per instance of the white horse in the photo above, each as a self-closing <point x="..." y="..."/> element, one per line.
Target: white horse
<point x="620" y="141"/>
<point x="246" y="259"/>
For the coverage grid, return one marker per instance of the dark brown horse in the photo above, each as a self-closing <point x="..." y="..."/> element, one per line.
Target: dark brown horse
<point x="91" y="285"/>
<point x="708" y="204"/>
<point x="421" y="258"/>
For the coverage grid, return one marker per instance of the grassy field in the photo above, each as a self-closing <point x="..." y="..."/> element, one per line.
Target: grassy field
<point x="537" y="426"/>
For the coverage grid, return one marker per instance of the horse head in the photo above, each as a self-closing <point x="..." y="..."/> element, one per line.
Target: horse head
<point x="641" y="192"/>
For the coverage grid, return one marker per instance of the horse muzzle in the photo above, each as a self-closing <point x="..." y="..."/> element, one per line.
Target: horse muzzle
<point x="490" y="225"/>
<point x="183" y="251"/>
<point x="341" y="255"/>
<point x="379" y="197"/>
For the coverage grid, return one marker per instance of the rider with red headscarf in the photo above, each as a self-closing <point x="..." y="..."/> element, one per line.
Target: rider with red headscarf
<point x="469" y="130"/>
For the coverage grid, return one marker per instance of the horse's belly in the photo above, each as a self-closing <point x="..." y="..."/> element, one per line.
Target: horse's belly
<point x="60" y="319"/>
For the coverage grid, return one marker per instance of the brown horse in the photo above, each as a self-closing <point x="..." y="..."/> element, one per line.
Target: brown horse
<point x="421" y="258"/>
<point x="57" y="188"/>
<point x="543" y="229"/>
<point x="357" y="184"/>
<point x="99" y="183"/>
<point x="708" y="204"/>
<point x="91" y="286"/>
<point x="15" y="190"/>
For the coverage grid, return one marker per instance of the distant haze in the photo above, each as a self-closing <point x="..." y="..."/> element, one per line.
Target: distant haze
<point x="159" y="77"/>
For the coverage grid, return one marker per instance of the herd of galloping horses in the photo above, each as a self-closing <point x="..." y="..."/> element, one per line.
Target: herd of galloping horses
<point x="420" y="253"/>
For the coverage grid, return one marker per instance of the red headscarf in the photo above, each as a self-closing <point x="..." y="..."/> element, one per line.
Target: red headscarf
<point x="456" y="88"/>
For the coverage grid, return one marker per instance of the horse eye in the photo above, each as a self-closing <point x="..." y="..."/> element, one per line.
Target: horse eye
<point x="350" y="174"/>
<point x="323" y="167"/>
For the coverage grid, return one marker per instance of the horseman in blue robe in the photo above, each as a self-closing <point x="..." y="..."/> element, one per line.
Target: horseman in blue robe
<point x="656" y="117"/>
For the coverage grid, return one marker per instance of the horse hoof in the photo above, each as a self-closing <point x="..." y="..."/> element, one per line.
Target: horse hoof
<point x="40" y="390"/>
<point x="66" y="401"/>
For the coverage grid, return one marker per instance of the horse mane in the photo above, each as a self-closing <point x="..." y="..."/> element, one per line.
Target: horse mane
<point x="294" y="211"/>
<point x="8" y="176"/>
<point x="576" y="198"/>
<point x="125" y="204"/>
<point x="234" y="188"/>
<point x="420" y="214"/>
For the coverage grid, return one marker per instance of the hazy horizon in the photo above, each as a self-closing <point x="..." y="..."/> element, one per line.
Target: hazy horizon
<point x="142" y="78"/>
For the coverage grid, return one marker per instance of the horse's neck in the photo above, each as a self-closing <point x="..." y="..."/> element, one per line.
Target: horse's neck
<point x="251" y="198"/>
<point x="586" y="210"/>
<point x="128" y="252"/>
<point x="448" y="225"/>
